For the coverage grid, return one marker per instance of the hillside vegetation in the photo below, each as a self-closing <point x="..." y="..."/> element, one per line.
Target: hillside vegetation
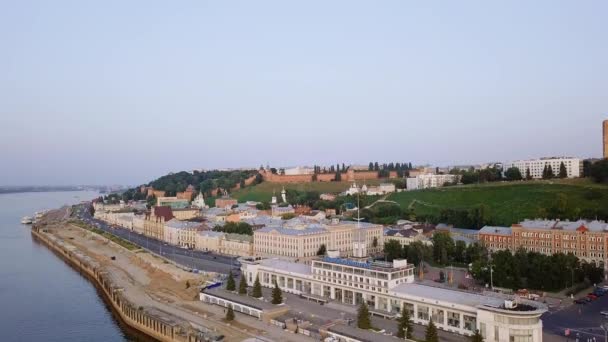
<point x="506" y="203"/>
<point x="263" y="191"/>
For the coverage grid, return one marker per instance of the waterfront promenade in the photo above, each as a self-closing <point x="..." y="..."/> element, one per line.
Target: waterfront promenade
<point x="156" y="287"/>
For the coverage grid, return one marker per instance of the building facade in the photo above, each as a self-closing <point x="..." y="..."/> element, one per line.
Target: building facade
<point x="304" y="241"/>
<point x="229" y="244"/>
<point x="587" y="240"/>
<point x="574" y="166"/>
<point x="426" y="181"/>
<point x="387" y="288"/>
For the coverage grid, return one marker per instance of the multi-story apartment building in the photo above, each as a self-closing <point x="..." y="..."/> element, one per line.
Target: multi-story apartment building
<point x="588" y="240"/>
<point x="173" y="202"/>
<point x="574" y="166"/>
<point x="387" y="288"/>
<point x="186" y="213"/>
<point x="426" y="181"/>
<point x="304" y="241"/>
<point x="154" y="222"/>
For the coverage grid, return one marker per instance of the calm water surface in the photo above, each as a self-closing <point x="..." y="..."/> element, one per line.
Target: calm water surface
<point x="41" y="297"/>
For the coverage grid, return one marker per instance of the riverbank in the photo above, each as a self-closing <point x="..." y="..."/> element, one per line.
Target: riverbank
<point x="148" y="295"/>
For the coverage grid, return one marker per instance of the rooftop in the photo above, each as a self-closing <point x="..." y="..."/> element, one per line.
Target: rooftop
<point x="360" y="334"/>
<point x="177" y="224"/>
<point x="459" y="297"/>
<point x="286" y="266"/>
<point x="496" y="230"/>
<point x="596" y="226"/>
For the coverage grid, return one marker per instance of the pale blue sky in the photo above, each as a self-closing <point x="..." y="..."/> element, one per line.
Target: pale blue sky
<point x="125" y="91"/>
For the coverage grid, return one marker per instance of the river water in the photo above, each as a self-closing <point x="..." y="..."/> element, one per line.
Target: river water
<point x="41" y="297"/>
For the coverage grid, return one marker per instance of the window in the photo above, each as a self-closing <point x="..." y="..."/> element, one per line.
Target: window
<point x="423" y="312"/>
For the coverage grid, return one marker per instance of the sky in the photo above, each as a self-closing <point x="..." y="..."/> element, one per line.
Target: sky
<point x="122" y="92"/>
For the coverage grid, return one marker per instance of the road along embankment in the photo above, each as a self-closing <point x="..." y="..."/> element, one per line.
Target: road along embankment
<point x="153" y="322"/>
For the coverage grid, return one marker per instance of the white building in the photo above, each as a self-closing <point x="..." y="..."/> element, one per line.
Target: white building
<point x="573" y="166"/>
<point x="426" y="181"/>
<point x="389" y="287"/>
<point x="298" y="170"/>
<point x="382" y="189"/>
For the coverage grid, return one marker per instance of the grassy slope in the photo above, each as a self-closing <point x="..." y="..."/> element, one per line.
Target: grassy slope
<point x="263" y="191"/>
<point x="509" y="202"/>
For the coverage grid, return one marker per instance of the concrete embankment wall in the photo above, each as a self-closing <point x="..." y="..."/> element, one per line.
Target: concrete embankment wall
<point x="129" y="313"/>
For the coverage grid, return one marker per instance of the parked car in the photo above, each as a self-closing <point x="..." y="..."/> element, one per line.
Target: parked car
<point x="592" y="296"/>
<point x="581" y="301"/>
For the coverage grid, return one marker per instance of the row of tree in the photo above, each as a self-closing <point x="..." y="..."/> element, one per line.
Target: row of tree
<point x="524" y="269"/>
<point x="235" y="228"/>
<point x="444" y="251"/>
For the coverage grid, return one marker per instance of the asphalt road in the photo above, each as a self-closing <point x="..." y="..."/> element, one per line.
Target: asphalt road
<point x="194" y="259"/>
<point x="582" y="320"/>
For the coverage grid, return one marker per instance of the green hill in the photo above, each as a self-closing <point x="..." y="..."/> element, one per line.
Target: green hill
<point x="263" y="191"/>
<point x="511" y="202"/>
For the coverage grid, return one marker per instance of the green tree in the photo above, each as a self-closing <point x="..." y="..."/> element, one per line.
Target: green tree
<point x="443" y="246"/>
<point x="243" y="285"/>
<point x="230" y="314"/>
<point x="277" y="294"/>
<point x="563" y="173"/>
<point x="431" y="333"/>
<point x="363" y="317"/>
<point x="392" y="250"/>
<point x="528" y="175"/>
<point x="476" y="337"/>
<point x="376" y="167"/>
<point x="599" y="171"/>
<point x="322" y="250"/>
<point x="375" y="242"/>
<point x="230" y="285"/>
<point x="513" y="174"/>
<point x="256" y="292"/>
<point x="371" y="166"/>
<point x="338" y="177"/>
<point x="404" y="329"/>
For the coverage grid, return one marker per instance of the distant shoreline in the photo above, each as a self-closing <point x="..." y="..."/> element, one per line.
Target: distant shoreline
<point x="41" y="189"/>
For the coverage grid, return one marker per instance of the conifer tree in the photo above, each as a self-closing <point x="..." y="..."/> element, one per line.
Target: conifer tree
<point x="363" y="317"/>
<point x="243" y="285"/>
<point x="277" y="294"/>
<point x="404" y="329"/>
<point x="431" y="333"/>
<point x="230" y="314"/>
<point x="563" y="173"/>
<point x="476" y="337"/>
<point x="230" y="285"/>
<point x="257" y="288"/>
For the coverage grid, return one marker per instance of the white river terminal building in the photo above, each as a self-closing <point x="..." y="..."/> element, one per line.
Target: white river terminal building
<point x="388" y="287"/>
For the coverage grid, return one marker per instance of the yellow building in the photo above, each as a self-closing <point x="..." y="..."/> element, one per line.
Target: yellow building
<point x="229" y="244"/>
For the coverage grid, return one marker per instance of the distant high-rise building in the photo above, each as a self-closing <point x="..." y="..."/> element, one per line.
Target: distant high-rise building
<point x="605" y="135"/>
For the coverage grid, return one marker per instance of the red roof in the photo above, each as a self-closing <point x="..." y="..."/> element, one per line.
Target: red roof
<point x="582" y="228"/>
<point x="164" y="212"/>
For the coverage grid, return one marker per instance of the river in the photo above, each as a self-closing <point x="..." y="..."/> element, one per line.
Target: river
<point x="41" y="297"/>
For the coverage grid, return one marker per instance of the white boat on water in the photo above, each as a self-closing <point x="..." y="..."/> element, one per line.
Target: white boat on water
<point x="27" y="220"/>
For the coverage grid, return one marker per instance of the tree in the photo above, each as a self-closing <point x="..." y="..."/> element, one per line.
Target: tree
<point x="392" y="250"/>
<point x="375" y="242"/>
<point x="230" y="285"/>
<point x="476" y="337"/>
<point x="376" y="167"/>
<point x="371" y="166"/>
<point x="338" y="176"/>
<point x="277" y="294"/>
<point x="243" y="285"/>
<point x="363" y="317"/>
<point x="256" y="292"/>
<point x="599" y="171"/>
<point x="513" y="174"/>
<point x="563" y="173"/>
<point x="230" y="314"/>
<point x="528" y="175"/>
<point x="404" y="329"/>
<point x="431" y="333"/>
<point x="322" y="250"/>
